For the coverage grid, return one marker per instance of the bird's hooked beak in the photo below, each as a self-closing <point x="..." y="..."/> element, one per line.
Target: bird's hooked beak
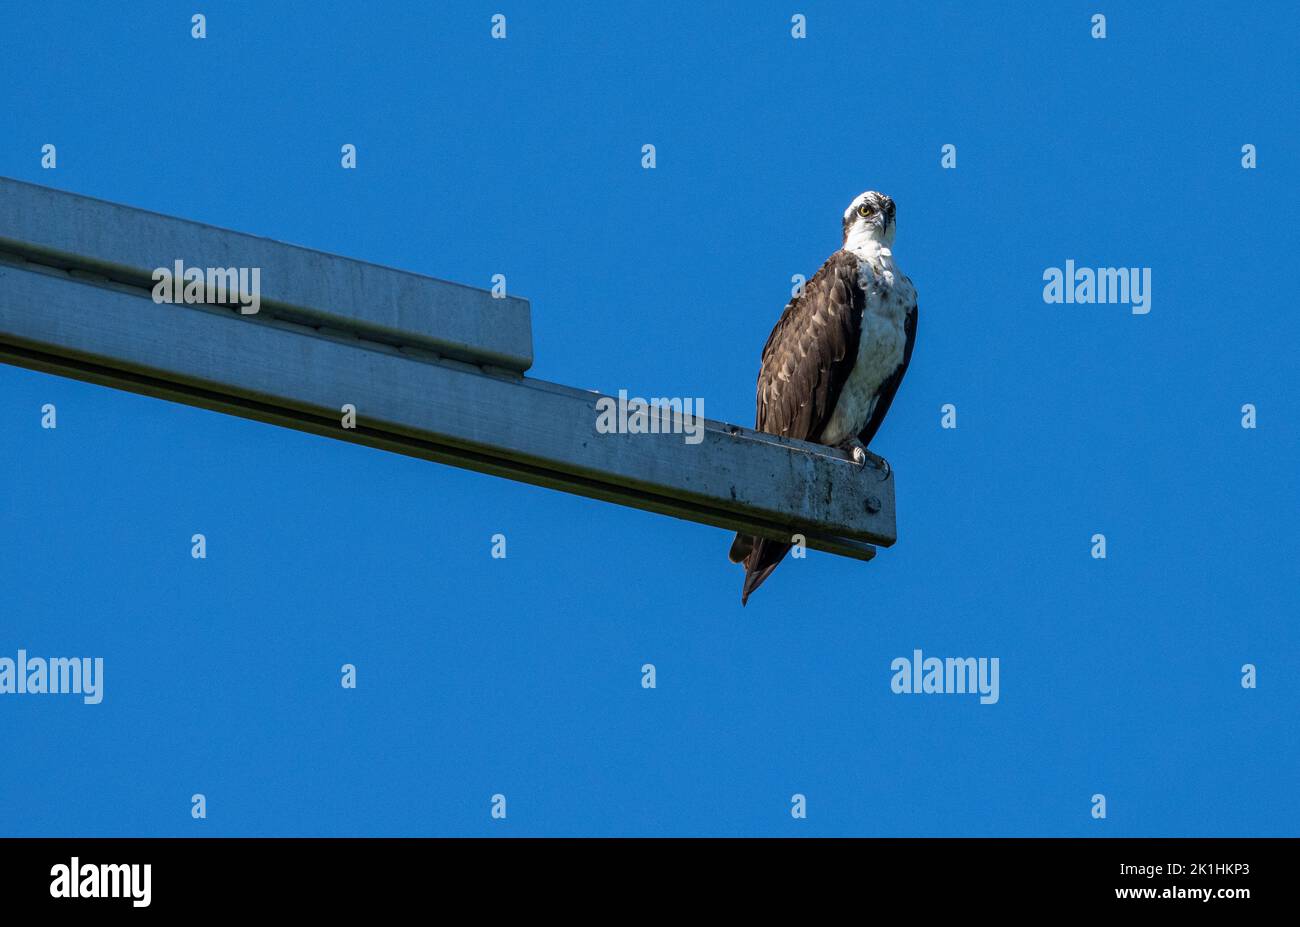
<point x="885" y="221"/>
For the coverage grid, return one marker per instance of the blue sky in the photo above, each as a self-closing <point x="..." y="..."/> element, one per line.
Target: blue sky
<point x="522" y="676"/>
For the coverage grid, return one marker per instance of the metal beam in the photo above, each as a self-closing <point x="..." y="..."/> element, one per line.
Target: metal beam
<point x="120" y="243"/>
<point x="61" y="313"/>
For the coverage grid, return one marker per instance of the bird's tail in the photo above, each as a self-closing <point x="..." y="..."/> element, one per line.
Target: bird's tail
<point x="760" y="557"/>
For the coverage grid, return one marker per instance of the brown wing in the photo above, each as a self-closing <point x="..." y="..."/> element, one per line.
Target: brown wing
<point x="806" y="360"/>
<point x="810" y="352"/>
<point x="885" y="395"/>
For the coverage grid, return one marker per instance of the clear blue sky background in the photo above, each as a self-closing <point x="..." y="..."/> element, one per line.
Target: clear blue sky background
<point x="522" y="676"/>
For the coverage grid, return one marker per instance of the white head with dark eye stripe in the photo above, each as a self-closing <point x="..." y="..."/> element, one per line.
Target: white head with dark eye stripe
<point x="869" y="218"/>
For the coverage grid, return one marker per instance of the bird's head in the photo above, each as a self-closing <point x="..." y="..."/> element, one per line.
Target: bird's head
<point x="870" y="217"/>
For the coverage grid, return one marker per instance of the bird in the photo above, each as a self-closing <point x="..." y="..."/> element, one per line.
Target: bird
<point x="834" y="360"/>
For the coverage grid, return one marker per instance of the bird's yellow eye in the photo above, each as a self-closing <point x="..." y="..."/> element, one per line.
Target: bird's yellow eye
<point x="864" y="210"/>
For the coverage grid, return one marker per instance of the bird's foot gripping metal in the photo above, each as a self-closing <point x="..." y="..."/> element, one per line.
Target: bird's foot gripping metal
<point x="861" y="456"/>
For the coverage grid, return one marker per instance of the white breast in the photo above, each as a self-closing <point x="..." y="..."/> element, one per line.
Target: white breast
<point x="880" y="349"/>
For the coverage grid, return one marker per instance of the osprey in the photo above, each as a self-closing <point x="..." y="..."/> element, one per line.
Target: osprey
<point x="834" y="360"/>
